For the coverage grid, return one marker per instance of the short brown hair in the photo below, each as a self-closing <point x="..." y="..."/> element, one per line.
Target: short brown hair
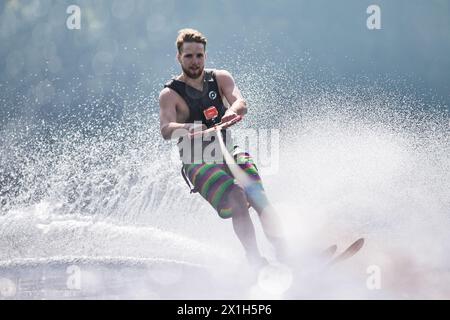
<point x="189" y="35"/>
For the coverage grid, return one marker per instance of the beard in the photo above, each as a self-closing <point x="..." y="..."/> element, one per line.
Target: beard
<point x="192" y="74"/>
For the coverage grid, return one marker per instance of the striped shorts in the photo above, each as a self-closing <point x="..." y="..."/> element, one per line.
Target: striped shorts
<point x="215" y="182"/>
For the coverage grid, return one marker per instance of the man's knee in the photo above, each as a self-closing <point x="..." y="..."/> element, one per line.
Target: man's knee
<point x="257" y="197"/>
<point x="237" y="196"/>
<point x="236" y="204"/>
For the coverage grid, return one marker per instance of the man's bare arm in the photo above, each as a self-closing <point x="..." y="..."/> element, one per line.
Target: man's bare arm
<point x="169" y="127"/>
<point x="231" y="92"/>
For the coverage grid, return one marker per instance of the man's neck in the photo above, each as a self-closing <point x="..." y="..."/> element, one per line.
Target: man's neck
<point x="192" y="82"/>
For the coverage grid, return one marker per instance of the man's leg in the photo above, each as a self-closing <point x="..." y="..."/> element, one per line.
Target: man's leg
<point x="257" y="198"/>
<point x="270" y="222"/>
<point x="217" y="186"/>
<point x="242" y="224"/>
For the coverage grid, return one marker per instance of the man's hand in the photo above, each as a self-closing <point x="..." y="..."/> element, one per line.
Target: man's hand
<point x="195" y="127"/>
<point x="229" y="115"/>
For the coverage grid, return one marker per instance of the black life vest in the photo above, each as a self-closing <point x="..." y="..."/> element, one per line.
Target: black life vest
<point x="197" y="100"/>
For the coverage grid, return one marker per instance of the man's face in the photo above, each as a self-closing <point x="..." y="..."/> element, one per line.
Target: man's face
<point x="192" y="59"/>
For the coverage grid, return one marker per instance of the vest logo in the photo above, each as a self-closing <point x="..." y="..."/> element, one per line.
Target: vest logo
<point x="212" y="95"/>
<point x="211" y="113"/>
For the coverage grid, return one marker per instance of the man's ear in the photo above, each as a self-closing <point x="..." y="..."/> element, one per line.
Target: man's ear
<point x="178" y="57"/>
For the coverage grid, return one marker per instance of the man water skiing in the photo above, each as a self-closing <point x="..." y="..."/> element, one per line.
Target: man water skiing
<point x="201" y="98"/>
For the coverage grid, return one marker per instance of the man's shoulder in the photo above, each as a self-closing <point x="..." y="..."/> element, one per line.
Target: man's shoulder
<point x="167" y="93"/>
<point x="169" y="83"/>
<point x="168" y="86"/>
<point x="221" y="73"/>
<point x="223" y="76"/>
